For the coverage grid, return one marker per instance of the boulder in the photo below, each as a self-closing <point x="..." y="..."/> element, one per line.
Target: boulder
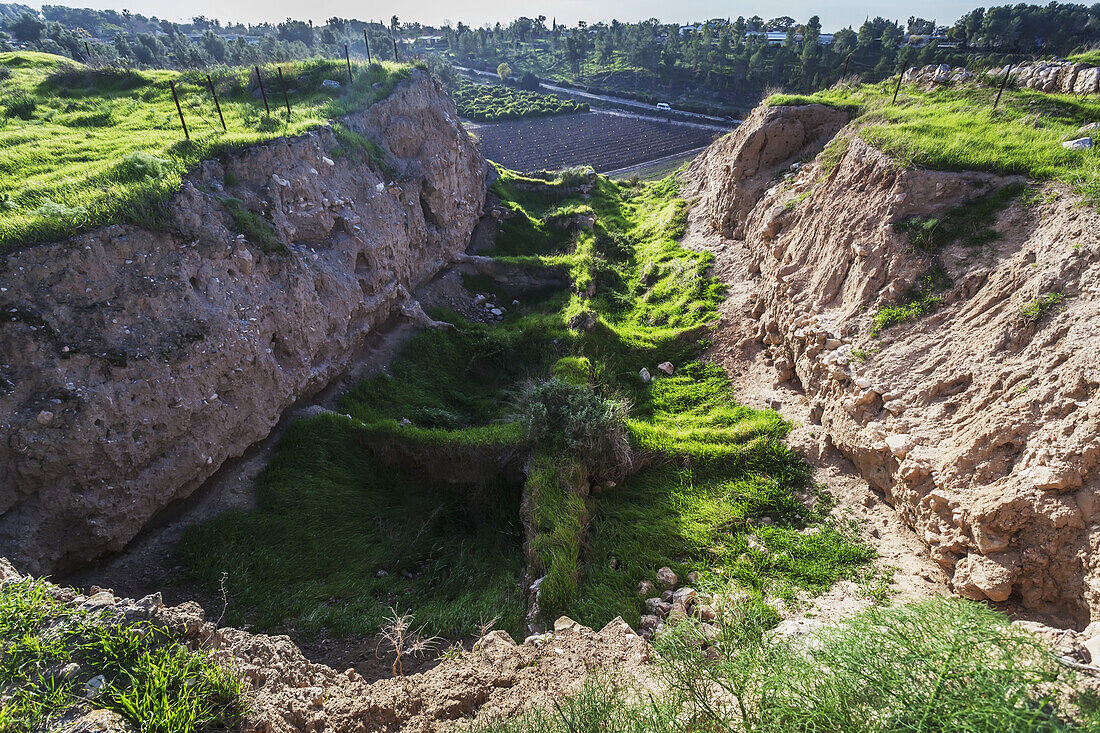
<point x="665" y="367"/>
<point x="667" y="578"/>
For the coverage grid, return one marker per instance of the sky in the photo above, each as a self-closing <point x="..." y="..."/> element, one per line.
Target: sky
<point x="834" y="15"/>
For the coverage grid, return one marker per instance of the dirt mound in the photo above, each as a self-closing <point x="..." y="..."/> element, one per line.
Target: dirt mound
<point x="287" y="692"/>
<point x="134" y="363"/>
<point x="980" y="421"/>
<point x="730" y="176"/>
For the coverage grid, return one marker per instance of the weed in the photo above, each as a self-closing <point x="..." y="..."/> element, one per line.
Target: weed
<point x="971" y="223"/>
<point x="886" y="669"/>
<point x="1041" y="308"/>
<point x="403" y="640"/>
<point x="830" y="157"/>
<point x="254" y="227"/>
<point x="916" y="303"/>
<point x="138" y="165"/>
<point x="793" y="203"/>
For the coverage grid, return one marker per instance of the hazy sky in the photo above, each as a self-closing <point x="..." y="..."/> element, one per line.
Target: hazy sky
<point x="833" y="14"/>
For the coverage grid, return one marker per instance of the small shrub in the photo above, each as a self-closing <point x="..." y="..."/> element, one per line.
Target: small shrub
<point x="1040" y="308"/>
<point x="572" y="418"/>
<point x="254" y="227"/>
<point x="21" y="106"/>
<point x="72" y="215"/>
<point x="138" y="166"/>
<point x="5" y="73"/>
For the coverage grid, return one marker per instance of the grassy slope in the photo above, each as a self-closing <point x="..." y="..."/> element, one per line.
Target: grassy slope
<point x="955" y="128"/>
<point x="716" y="467"/>
<point x="1087" y="57"/>
<point x="149" y="679"/>
<point x="69" y="163"/>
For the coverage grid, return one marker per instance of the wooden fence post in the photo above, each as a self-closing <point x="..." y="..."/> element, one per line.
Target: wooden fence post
<point x="179" y="109"/>
<point x="348" y="59"/>
<point x="397" y="60"/>
<point x="263" y="92"/>
<point x="845" y="72"/>
<point x="366" y="43"/>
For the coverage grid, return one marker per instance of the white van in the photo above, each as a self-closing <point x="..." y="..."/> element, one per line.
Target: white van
<point x="664" y="106"/>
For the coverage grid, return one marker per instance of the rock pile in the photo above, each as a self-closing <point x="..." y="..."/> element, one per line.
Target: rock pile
<point x="675" y="603"/>
<point x="1045" y="76"/>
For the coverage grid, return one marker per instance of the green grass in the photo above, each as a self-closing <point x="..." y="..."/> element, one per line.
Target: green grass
<point x="1087" y="57"/>
<point x="971" y="224"/>
<point x="955" y="128"/>
<point x="150" y="679"/>
<point x="492" y="103"/>
<point x="348" y="496"/>
<point x="1041" y="308"/>
<point x="935" y="666"/>
<point x="68" y="163"/>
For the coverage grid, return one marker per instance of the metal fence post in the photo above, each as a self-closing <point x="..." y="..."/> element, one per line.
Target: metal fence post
<point x="216" y="103"/>
<point x="282" y="83"/>
<point x="1008" y="72"/>
<point x="263" y="92"/>
<point x="898" y="87"/>
<point x="179" y="109"/>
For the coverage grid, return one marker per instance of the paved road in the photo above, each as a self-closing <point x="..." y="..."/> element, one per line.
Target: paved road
<point x="722" y="122"/>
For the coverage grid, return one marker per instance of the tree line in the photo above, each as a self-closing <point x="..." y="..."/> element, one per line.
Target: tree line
<point x="727" y="57"/>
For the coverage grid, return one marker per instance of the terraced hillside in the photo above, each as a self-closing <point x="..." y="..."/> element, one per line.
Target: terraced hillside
<point x="606" y="141"/>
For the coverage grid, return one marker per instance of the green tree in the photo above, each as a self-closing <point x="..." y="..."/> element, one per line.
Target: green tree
<point x="504" y="70"/>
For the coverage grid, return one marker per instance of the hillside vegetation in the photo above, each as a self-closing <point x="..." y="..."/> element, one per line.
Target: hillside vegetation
<point x="485" y="103"/>
<point x="554" y="391"/>
<point x="956" y="128"/>
<point x="81" y="147"/>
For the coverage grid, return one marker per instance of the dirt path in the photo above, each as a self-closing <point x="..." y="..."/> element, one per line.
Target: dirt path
<point x="736" y="348"/>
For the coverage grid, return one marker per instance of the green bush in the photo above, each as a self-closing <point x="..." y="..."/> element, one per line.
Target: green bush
<point x="572" y="418"/>
<point x="138" y="165"/>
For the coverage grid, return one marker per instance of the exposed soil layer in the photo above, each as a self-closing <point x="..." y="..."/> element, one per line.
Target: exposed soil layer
<point x="133" y="363"/>
<point x="979" y="422"/>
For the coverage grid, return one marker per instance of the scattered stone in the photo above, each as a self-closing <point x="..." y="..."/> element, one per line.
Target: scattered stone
<point x="1081" y="143"/>
<point x="93" y="688"/>
<point x="564" y="624"/>
<point x="693" y="577"/>
<point x="684" y="596"/>
<point x="667" y="578"/>
<point x="645" y="375"/>
<point x="44" y="418"/>
<point x="899" y="445"/>
<point x="646" y="588"/>
<point x="330" y="84"/>
<point x="705" y="612"/>
<point x="665" y="367"/>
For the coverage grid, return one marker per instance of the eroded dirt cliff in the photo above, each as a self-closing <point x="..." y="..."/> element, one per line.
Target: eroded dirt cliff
<point x="134" y="363"/>
<point x="979" y="422"/>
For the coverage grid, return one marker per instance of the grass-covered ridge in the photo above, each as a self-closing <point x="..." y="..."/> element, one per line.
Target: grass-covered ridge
<point x="344" y="531"/>
<point x="492" y="103"/>
<point x="82" y="147"/>
<point x="955" y="128"/>
<point x="50" y="651"/>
